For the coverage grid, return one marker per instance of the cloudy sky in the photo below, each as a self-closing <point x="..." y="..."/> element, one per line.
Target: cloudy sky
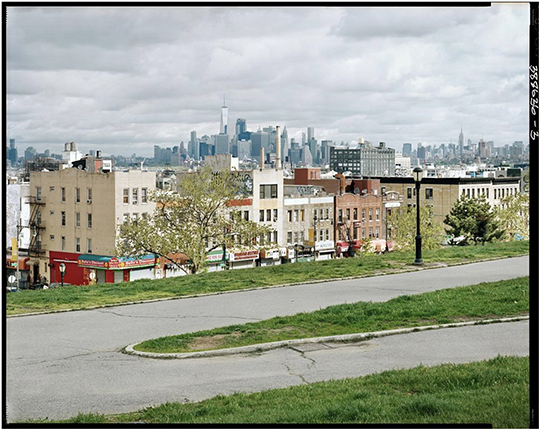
<point x="125" y="79"/>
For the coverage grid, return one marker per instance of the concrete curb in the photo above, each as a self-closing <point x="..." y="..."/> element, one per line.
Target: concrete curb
<point x="406" y="269"/>
<point x="289" y="343"/>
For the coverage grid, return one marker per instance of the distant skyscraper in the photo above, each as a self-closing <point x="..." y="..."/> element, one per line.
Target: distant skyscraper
<point x="460" y="143"/>
<point x="224" y="118"/>
<point x="407" y="149"/>
<point x="12" y="152"/>
<point x="310" y="134"/>
<point x="193" y="147"/>
<point x="221" y="144"/>
<point x="259" y="139"/>
<point x="240" y="126"/>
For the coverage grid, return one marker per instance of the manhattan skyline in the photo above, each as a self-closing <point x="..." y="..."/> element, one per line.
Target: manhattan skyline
<point x="123" y="79"/>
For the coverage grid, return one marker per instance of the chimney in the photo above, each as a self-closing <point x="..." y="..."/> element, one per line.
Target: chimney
<point x="278" y="149"/>
<point x="262" y="158"/>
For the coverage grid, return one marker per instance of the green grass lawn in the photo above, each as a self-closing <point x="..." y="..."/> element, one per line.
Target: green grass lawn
<point x="482" y="301"/>
<point x="494" y="392"/>
<point x="81" y="297"/>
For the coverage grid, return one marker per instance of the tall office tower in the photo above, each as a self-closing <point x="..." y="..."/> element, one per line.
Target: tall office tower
<point x="460" y="143"/>
<point x="325" y="151"/>
<point x="285" y="140"/>
<point x="193" y="149"/>
<point x="224" y="118"/>
<point x="221" y="143"/>
<point x="303" y="139"/>
<point x="259" y="139"/>
<point x="310" y="134"/>
<point x="307" y="157"/>
<point x="407" y="149"/>
<point x="240" y="126"/>
<point x="12" y="152"/>
<point x="313" y="149"/>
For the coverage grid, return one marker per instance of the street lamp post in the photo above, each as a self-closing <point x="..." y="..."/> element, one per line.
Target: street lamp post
<point x="417" y="174"/>
<point x="62" y="268"/>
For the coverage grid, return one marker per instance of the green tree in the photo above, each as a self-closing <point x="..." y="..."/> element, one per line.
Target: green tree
<point x="402" y="224"/>
<point x="193" y="221"/>
<point x="474" y="220"/>
<point x="513" y="215"/>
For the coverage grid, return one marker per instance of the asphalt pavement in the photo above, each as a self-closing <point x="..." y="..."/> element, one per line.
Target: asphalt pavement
<point x="61" y="364"/>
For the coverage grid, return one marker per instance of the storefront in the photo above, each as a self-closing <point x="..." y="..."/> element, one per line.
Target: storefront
<point x="243" y="259"/>
<point x="103" y="269"/>
<point x="300" y="253"/>
<point x="324" y="250"/>
<point x="271" y="257"/>
<point x="214" y="260"/>
<point x="23" y="270"/>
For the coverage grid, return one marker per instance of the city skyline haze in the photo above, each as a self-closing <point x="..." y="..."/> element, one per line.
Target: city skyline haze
<point x="123" y="79"/>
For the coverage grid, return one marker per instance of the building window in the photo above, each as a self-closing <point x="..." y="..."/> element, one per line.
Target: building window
<point x="327" y="213"/>
<point x="63" y="243"/>
<point x="377" y="215"/>
<point x="371" y="215"/>
<point x="63" y="219"/>
<point x="89" y="246"/>
<point x="275" y="215"/>
<point x="246" y="215"/>
<point x="473" y="193"/>
<point x="315" y="214"/>
<point x="295" y="237"/>
<point x="77" y="195"/>
<point x="289" y="237"/>
<point x="125" y="217"/>
<point x="355" y="214"/>
<point x="295" y="218"/>
<point x="429" y="193"/>
<point x="261" y="215"/>
<point x="289" y="216"/>
<point x="363" y="215"/>
<point x="363" y="233"/>
<point x="383" y="190"/>
<point x="340" y="215"/>
<point x="268" y="214"/>
<point x="377" y="232"/>
<point x="487" y="193"/>
<point x="77" y="244"/>
<point x="77" y="219"/>
<point x="275" y="236"/>
<point x="52" y="237"/>
<point x="125" y="198"/>
<point x="321" y="214"/>
<point x="135" y="196"/>
<point x="370" y="232"/>
<point x="89" y="220"/>
<point x="89" y="195"/>
<point x="409" y="193"/>
<point x="144" y="195"/>
<point x="62" y="194"/>
<point x="348" y="212"/>
<point x="51" y="188"/>
<point x="327" y="234"/>
<point x="321" y="237"/>
<point x="268" y="191"/>
<point x="302" y="215"/>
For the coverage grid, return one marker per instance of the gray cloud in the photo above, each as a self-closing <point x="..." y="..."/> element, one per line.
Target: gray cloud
<point x="128" y="78"/>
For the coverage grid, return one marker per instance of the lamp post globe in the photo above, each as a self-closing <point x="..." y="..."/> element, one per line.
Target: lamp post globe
<point x="417" y="175"/>
<point x="62" y="268"/>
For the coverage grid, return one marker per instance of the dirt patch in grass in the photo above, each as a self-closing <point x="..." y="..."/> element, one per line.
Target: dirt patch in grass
<point x="207" y="342"/>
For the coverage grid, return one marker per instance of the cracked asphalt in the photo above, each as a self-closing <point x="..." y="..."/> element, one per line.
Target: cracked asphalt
<point x="61" y="364"/>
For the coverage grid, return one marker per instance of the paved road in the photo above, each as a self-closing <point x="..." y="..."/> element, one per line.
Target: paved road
<point x="62" y="364"/>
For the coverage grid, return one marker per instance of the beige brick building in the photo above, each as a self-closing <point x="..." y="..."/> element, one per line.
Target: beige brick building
<point x="77" y="212"/>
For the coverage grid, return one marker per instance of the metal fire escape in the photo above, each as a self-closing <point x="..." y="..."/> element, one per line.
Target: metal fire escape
<point x="36" y="225"/>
